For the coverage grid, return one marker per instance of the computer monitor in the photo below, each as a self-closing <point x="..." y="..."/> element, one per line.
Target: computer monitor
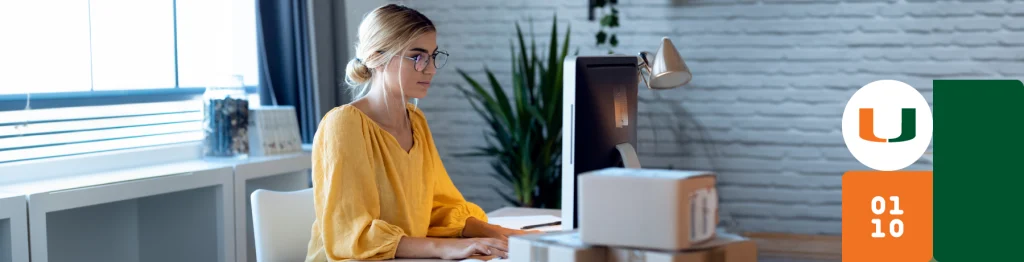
<point x="599" y="121"/>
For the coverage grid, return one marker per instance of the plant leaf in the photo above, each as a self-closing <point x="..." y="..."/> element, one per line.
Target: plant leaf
<point x="526" y="163"/>
<point x="524" y="63"/>
<point x="606" y="20"/>
<point x="502" y="173"/>
<point x="478" y="98"/>
<point x="552" y="53"/>
<point x="554" y="103"/>
<point x="533" y="62"/>
<point x="476" y="87"/>
<point x="535" y="113"/>
<point x="500" y="130"/>
<point x="500" y="98"/>
<point x="488" y="102"/>
<point x="520" y="96"/>
<point x="517" y="79"/>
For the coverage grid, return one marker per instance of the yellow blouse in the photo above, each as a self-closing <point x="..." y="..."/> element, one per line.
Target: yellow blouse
<point x="369" y="192"/>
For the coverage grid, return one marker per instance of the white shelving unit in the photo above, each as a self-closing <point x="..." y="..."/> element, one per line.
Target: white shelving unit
<point x="193" y="210"/>
<point x="171" y="212"/>
<point x="287" y="172"/>
<point x="13" y="228"/>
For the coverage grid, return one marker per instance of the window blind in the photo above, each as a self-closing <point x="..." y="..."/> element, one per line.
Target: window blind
<point x="47" y="133"/>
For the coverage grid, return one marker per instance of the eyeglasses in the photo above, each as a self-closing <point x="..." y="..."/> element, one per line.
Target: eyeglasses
<point x="420" y="60"/>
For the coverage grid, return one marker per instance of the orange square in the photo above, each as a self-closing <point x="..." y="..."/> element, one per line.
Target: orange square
<point x="887" y="216"/>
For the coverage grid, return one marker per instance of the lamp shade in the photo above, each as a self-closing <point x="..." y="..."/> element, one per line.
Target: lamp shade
<point x="668" y="70"/>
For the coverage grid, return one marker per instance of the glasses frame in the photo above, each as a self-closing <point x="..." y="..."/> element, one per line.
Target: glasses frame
<point x="432" y="57"/>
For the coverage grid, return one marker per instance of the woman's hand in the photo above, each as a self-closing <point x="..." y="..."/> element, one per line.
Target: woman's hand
<point x="461" y="248"/>
<point x="477" y="228"/>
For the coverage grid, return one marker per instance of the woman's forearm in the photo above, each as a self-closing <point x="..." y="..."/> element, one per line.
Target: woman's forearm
<point x="450" y="248"/>
<point x="478" y="228"/>
<point x="417" y="247"/>
<point x="474" y="228"/>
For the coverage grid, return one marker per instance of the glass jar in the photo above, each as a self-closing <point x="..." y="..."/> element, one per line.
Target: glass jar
<point x="226" y="119"/>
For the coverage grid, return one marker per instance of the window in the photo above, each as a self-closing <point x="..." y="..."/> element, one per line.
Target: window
<point x="86" y="76"/>
<point x="96" y="129"/>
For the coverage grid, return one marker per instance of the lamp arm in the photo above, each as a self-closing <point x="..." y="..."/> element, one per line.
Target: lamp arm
<point x="644" y="63"/>
<point x="640" y="71"/>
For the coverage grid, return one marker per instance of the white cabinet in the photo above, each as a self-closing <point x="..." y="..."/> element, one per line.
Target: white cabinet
<point x="175" y="212"/>
<point x="197" y="210"/>
<point x="13" y="228"/>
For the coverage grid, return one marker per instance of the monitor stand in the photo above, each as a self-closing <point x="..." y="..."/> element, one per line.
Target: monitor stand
<point x="628" y="155"/>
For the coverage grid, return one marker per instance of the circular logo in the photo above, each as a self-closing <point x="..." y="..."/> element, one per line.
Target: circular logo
<point x="887" y="125"/>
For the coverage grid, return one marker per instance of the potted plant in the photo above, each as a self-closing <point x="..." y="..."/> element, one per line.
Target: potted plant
<point x="524" y="129"/>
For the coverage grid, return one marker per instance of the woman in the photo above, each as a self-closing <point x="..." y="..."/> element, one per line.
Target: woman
<point x="381" y="190"/>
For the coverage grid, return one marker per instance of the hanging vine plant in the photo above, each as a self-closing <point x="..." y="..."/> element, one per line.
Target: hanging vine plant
<point x="608" y="22"/>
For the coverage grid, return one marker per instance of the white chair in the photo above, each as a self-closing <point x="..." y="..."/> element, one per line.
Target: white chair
<point x="281" y="224"/>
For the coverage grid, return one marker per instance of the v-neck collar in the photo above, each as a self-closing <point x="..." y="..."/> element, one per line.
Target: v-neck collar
<point x="392" y="138"/>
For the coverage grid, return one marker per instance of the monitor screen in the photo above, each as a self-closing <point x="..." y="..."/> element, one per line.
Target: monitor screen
<point x="599" y="112"/>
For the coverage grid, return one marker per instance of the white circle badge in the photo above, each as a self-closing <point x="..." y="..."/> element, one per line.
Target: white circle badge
<point x="887" y="125"/>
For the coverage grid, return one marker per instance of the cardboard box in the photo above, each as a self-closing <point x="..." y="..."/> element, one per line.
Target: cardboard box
<point x="647" y="208"/>
<point x="724" y="248"/>
<point x="553" y="247"/>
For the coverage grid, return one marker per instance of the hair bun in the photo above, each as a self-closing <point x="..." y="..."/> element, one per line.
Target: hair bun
<point x="356" y="73"/>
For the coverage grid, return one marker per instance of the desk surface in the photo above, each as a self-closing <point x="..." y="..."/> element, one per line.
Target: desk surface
<point x="814" y="244"/>
<point x="522" y="211"/>
<point x="503" y="212"/>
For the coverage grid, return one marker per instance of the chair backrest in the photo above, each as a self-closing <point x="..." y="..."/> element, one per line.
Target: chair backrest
<point x="281" y="224"/>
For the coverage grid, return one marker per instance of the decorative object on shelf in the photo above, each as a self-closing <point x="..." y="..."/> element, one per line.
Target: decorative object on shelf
<point x="226" y="119"/>
<point x="274" y="130"/>
<point x="525" y="134"/>
<point x="609" y="20"/>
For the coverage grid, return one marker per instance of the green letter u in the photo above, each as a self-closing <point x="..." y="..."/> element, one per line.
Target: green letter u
<point x="908" y="126"/>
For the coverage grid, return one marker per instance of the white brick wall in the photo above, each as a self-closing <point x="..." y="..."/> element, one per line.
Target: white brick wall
<point x="771" y="79"/>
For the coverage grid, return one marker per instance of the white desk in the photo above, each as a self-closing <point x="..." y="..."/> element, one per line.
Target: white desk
<point x="13" y="228"/>
<point x="288" y="172"/>
<point x="172" y="212"/>
<point x="196" y="210"/>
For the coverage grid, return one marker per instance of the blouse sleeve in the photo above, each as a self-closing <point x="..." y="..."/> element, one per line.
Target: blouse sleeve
<point x="346" y="200"/>
<point x="450" y="210"/>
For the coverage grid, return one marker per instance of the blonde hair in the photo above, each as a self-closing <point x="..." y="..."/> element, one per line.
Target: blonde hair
<point x="384" y="33"/>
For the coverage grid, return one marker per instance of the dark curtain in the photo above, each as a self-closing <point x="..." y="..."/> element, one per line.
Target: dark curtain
<point x="285" y="64"/>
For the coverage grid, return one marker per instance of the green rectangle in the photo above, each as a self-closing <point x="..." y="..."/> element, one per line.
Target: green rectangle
<point x="979" y="152"/>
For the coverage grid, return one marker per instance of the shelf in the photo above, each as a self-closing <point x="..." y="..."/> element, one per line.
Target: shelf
<point x="80" y="181"/>
<point x="175" y="212"/>
<point x="194" y="210"/>
<point x="13" y="228"/>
